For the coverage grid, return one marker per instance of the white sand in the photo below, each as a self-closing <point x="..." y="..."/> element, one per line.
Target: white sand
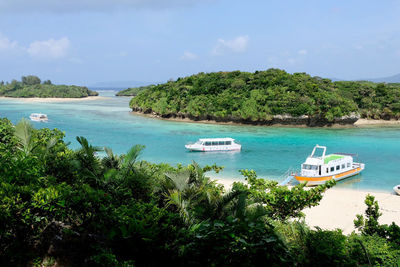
<point x="54" y="99"/>
<point x="339" y="207"/>
<point x="366" y="122"/>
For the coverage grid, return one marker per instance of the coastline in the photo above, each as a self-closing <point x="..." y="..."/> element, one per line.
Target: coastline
<point x="360" y="123"/>
<point x="367" y="122"/>
<point x="339" y="207"/>
<point x="52" y="99"/>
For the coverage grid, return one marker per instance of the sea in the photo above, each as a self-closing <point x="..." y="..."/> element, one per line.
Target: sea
<point x="270" y="151"/>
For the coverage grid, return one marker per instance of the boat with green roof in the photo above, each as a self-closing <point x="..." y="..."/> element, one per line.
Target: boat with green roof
<point x="319" y="168"/>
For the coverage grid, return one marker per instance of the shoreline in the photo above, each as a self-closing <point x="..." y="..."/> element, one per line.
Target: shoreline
<point x="339" y="207"/>
<point x="52" y="99"/>
<point x="369" y="122"/>
<point x="360" y="123"/>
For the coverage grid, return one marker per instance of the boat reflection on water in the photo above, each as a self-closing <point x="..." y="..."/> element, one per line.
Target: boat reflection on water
<point x="349" y="182"/>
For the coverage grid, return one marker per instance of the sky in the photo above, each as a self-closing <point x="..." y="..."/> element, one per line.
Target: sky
<point x="89" y="41"/>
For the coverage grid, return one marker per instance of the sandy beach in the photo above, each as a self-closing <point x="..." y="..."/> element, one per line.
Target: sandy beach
<point x="339" y="207"/>
<point x="366" y="122"/>
<point x="53" y="99"/>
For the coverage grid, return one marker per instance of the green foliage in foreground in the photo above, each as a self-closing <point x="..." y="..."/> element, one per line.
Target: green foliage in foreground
<point x="258" y="96"/>
<point x="31" y="86"/>
<point x="73" y="208"/>
<point x="134" y="90"/>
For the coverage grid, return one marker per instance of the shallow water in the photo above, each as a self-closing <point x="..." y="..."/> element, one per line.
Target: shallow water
<point x="270" y="151"/>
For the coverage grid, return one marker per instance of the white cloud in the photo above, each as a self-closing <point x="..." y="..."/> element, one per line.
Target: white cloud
<point x="302" y="52"/>
<point x="188" y="56"/>
<point x="49" y="49"/>
<point x="6" y="44"/>
<point x="62" y="6"/>
<point x="237" y="45"/>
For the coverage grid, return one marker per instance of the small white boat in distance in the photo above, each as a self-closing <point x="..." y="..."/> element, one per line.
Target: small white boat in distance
<point x="397" y="189"/>
<point x="317" y="169"/>
<point x="214" y="144"/>
<point x="38" y="117"/>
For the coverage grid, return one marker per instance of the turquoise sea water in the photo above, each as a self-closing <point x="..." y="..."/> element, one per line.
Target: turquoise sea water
<point x="270" y="151"/>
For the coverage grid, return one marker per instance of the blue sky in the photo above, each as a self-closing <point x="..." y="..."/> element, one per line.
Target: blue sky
<point x="89" y="41"/>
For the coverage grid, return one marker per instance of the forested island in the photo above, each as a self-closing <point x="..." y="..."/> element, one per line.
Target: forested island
<point x="32" y="86"/>
<point x="64" y="207"/>
<point x="269" y="97"/>
<point x="134" y="90"/>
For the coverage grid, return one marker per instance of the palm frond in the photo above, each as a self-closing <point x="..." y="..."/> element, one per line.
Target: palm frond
<point x="255" y="211"/>
<point x="132" y="155"/>
<point x="111" y="161"/>
<point x="109" y="152"/>
<point x="174" y="197"/>
<point x="51" y="143"/>
<point x="179" y="181"/>
<point x="23" y="132"/>
<point x="223" y="202"/>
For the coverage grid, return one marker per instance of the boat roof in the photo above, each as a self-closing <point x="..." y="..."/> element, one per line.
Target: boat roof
<point x="326" y="159"/>
<point x="38" y="114"/>
<point x="216" y="139"/>
<point x="331" y="157"/>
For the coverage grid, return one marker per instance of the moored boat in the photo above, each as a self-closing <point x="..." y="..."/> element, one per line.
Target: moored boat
<point x="397" y="189"/>
<point x="38" y="117"/>
<point x="214" y="144"/>
<point x="320" y="168"/>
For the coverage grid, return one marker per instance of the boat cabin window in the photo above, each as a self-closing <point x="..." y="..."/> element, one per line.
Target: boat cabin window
<point x="310" y="167"/>
<point x="228" y="143"/>
<point x="343" y="166"/>
<point x="215" y="143"/>
<point x="348" y="164"/>
<point x="332" y="169"/>
<point x="221" y="143"/>
<point x="338" y="167"/>
<point x="208" y="143"/>
<point x="327" y="170"/>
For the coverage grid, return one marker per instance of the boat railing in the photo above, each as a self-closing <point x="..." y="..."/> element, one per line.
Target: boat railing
<point x="288" y="177"/>
<point x="346" y="154"/>
<point x="358" y="165"/>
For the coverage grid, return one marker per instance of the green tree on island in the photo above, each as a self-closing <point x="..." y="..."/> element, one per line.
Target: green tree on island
<point x="264" y="97"/>
<point x="30" y="86"/>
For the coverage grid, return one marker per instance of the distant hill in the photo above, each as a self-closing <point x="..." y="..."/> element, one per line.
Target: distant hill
<point x="134" y="91"/>
<point x="390" y="79"/>
<point x="119" y="84"/>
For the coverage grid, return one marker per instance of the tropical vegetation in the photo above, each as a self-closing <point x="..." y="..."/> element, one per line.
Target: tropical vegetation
<point x="67" y="207"/>
<point x="32" y="86"/>
<point x="134" y="90"/>
<point x="263" y="97"/>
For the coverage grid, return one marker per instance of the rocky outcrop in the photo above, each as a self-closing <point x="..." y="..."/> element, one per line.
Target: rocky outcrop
<point x="284" y="119"/>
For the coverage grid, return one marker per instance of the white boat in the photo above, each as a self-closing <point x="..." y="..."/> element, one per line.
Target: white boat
<point x="214" y="144"/>
<point x="397" y="189"/>
<point x="38" y="117"/>
<point x="319" y="168"/>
